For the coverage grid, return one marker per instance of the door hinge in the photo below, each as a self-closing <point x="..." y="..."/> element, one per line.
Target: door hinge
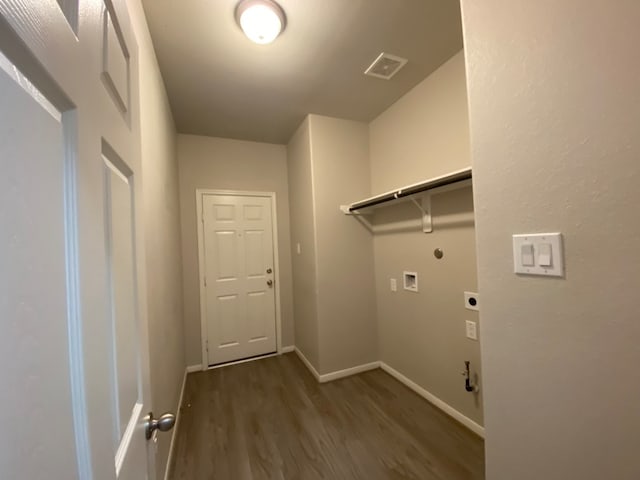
<point x="207" y="345"/>
<point x="205" y="281"/>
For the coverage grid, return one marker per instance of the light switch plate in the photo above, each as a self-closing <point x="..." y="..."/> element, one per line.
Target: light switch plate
<point x="393" y="285"/>
<point x="547" y="249"/>
<point x="472" y="330"/>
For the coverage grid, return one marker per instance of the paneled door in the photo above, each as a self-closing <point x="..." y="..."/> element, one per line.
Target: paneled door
<point x="239" y="290"/>
<point x="73" y="350"/>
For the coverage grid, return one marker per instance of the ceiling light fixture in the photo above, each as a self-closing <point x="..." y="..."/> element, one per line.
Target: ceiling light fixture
<point x="260" y="20"/>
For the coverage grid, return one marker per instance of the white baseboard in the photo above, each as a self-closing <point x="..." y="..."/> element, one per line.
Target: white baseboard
<point x="347" y="372"/>
<point x="174" y="432"/>
<point x="311" y="368"/>
<point x="328" y="377"/>
<point x="445" y="407"/>
<point x="194" y="368"/>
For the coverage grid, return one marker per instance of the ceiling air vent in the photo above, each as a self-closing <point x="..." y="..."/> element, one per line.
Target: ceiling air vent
<point x="385" y="66"/>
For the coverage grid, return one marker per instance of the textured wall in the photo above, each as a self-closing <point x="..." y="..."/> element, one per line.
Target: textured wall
<point x="554" y="112"/>
<point x="218" y="163"/>
<point x="422" y="334"/>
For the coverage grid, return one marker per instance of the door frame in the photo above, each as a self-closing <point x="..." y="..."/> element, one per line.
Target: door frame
<point x="204" y="328"/>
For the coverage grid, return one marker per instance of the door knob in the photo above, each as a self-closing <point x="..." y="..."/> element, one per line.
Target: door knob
<point x="164" y="423"/>
<point x="270" y="282"/>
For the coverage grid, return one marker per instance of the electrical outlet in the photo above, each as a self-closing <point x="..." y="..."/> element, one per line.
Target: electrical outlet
<point x="394" y="285"/>
<point x="472" y="331"/>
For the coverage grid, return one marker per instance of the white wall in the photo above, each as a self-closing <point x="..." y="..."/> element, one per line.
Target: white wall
<point x="218" y="163"/>
<point x="554" y="91"/>
<point x="162" y="236"/>
<point x="422" y="335"/>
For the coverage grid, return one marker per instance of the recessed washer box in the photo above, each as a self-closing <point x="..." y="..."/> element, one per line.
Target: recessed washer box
<point x="471" y="301"/>
<point x="410" y="281"/>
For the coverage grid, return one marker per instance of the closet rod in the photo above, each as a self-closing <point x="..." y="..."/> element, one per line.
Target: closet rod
<point x="442" y="181"/>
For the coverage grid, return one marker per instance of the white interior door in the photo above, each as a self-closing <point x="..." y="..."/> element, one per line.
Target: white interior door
<point x="73" y="353"/>
<point x="239" y="276"/>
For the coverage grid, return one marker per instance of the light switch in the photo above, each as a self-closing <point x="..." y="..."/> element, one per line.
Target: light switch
<point x="538" y="254"/>
<point x="526" y="251"/>
<point x="544" y="255"/>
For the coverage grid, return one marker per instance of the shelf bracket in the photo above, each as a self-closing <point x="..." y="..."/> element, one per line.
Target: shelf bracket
<point x="360" y="216"/>
<point x="345" y="209"/>
<point x="425" y="208"/>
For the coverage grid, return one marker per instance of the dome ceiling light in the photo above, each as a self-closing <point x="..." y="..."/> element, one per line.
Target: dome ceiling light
<point x="261" y="20"/>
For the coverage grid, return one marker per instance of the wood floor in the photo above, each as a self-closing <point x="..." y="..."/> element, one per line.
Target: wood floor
<point x="270" y="419"/>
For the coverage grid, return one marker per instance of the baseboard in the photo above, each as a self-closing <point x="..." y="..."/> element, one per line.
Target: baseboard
<point x="174" y="432"/>
<point x="311" y="368"/>
<point x="347" y="372"/>
<point x="446" y="408"/>
<point x="329" y="377"/>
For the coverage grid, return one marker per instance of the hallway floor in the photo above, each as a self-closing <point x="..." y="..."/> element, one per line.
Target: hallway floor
<point x="270" y="419"/>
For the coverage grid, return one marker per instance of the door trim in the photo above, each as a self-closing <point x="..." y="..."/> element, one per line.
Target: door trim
<point x="204" y="329"/>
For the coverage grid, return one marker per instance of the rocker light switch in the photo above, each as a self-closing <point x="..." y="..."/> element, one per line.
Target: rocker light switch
<point x="538" y="254"/>
<point x="544" y="255"/>
<point x="526" y="251"/>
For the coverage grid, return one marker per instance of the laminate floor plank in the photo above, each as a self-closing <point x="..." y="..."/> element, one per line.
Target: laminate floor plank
<point x="270" y="420"/>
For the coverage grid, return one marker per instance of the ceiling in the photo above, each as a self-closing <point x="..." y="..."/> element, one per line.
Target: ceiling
<point x="221" y="84"/>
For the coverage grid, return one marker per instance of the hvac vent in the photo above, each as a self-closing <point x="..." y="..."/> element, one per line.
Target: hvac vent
<point x="385" y="66"/>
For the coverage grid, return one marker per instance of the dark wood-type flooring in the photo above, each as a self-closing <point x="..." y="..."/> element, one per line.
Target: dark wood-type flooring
<point x="270" y="419"/>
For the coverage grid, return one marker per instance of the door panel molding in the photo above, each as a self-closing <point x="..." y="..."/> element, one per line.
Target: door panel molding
<point x="204" y="328"/>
